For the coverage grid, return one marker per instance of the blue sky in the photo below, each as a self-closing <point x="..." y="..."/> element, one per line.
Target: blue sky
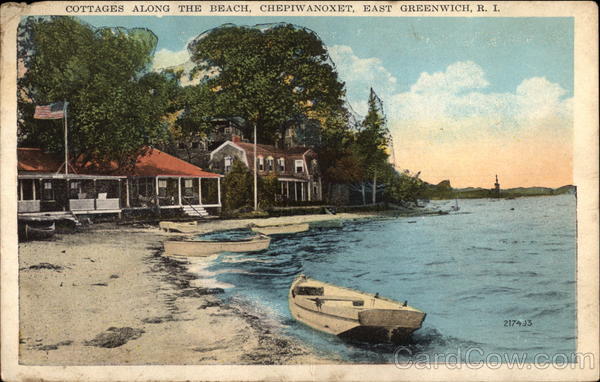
<point x="488" y="86"/>
<point x="509" y="49"/>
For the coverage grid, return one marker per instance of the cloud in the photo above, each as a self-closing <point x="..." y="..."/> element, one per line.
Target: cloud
<point x="360" y="74"/>
<point x="165" y="58"/>
<point x="449" y="127"/>
<point x="457" y="77"/>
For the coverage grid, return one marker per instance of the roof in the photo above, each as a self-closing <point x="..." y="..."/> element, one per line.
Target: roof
<point x="35" y="160"/>
<point x="269" y="150"/>
<point x="152" y="163"/>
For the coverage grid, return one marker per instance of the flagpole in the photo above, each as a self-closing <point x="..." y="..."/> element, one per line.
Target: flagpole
<point x="66" y="141"/>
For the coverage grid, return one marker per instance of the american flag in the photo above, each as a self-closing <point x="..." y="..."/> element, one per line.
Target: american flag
<point x="55" y="110"/>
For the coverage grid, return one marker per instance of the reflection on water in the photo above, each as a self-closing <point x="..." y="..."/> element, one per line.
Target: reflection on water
<point x="470" y="272"/>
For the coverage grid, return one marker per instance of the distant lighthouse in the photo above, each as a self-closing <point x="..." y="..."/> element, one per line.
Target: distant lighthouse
<point x="496" y="189"/>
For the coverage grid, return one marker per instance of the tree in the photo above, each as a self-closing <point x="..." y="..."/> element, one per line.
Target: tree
<point x="115" y="106"/>
<point x="237" y="187"/>
<point x="267" y="76"/>
<point x="372" y="142"/>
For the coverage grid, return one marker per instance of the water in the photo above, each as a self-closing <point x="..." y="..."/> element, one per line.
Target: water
<point x="494" y="260"/>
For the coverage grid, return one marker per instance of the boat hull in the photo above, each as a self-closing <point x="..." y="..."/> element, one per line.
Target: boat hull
<point x="281" y="229"/>
<point x="33" y="232"/>
<point x="337" y="315"/>
<point x="336" y="223"/>
<point x="198" y="248"/>
<point x="190" y="227"/>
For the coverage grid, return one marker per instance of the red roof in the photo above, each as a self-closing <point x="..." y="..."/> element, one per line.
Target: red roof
<point x="153" y="163"/>
<point x="35" y="160"/>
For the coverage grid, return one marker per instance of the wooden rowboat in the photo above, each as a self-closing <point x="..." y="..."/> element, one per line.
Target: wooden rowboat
<point x="200" y="248"/>
<point x="37" y="232"/>
<point x="351" y="314"/>
<point x="185" y="227"/>
<point x="281" y="229"/>
<point x="335" y="223"/>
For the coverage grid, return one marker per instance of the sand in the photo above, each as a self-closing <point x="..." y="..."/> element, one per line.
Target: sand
<point x="105" y="296"/>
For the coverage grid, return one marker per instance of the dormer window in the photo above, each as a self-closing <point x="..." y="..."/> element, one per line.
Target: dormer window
<point x="281" y="164"/>
<point x="228" y="163"/>
<point x="261" y="164"/>
<point x="299" y="165"/>
<point x="270" y="164"/>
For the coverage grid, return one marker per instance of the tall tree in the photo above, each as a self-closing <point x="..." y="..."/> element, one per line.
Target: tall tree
<point x="267" y="75"/>
<point x="116" y="106"/>
<point x="372" y="142"/>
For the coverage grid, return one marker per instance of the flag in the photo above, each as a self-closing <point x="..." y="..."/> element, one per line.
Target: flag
<point x="55" y="110"/>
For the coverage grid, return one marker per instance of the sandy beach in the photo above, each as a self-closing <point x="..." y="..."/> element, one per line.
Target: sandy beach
<point x="105" y="295"/>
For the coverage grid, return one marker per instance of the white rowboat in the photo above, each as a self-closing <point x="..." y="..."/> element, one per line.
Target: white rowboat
<point x="200" y="248"/>
<point x="281" y="229"/>
<point x="351" y="314"/>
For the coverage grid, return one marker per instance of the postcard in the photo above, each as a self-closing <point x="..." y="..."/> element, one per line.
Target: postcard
<point x="299" y="190"/>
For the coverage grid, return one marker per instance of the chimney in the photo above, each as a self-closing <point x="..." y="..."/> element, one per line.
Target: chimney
<point x="236" y="138"/>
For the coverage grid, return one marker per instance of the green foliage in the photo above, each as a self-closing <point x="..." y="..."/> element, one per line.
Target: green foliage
<point x="114" y="108"/>
<point x="237" y="187"/>
<point x="268" y="188"/>
<point x="403" y="186"/>
<point x="372" y="139"/>
<point x="267" y="76"/>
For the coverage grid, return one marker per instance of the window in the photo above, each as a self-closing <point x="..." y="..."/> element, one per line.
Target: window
<point x="228" y="163"/>
<point x="73" y="189"/>
<point x="228" y="130"/>
<point x="261" y="164"/>
<point x="299" y="165"/>
<point x="270" y="164"/>
<point x="162" y="187"/>
<point x="188" y="187"/>
<point x="47" y="192"/>
<point x="281" y="164"/>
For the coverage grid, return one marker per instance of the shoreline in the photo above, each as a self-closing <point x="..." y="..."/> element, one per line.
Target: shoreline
<point x="105" y="295"/>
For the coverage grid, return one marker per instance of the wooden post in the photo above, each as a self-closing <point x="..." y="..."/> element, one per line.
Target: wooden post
<point x="20" y="189"/>
<point x="179" y="190"/>
<point x="308" y="189"/>
<point x="156" y="196"/>
<point x="302" y="191"/>
<point x="127" y="193"/>
<point x="219" y="191"/>
<point x="200" y="191"/>
<point x="295" y="191"/>
<point x="33" y="184"/>
<point x="255" y="174"/>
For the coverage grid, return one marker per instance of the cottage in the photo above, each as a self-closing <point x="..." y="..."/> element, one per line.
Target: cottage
<point x="296" y="168"/>
<point x="157" y="181"/>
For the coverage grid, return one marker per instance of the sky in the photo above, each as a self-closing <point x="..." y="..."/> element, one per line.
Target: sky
<point x="465" y="98"/>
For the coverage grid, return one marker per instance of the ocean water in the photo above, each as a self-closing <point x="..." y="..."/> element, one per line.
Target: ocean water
<point x="470" y="271"/>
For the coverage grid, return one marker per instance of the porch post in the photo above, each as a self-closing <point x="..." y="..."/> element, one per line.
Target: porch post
<point x="219" y="190"/>
<point x="33" y="184"/>
<point x="20" y="189"/>
<point x="156" y="195"/>
<point x="127" y="192"/>
<point x="295" y="191"/>
<point x="95" y="192"/>
<point x="308" y="187"/>
<point x="179" y="190"/>
<point x="287" y="186"/>
<point x="200" y="191"/>
<point x="302" y="190"/>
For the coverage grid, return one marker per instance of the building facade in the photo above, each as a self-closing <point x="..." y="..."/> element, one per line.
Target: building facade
<point x="296" y="168"/>
<point x="157" y="181"/>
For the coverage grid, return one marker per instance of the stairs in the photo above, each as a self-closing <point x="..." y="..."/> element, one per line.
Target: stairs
<point x="195" y="211"/>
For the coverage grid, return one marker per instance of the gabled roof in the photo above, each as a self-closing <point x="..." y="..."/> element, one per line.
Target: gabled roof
<point x="152" y="163"/>
<point x="35" y="160"/>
